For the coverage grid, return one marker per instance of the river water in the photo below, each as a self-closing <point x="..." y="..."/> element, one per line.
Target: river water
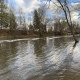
<point x="49" y="58"/>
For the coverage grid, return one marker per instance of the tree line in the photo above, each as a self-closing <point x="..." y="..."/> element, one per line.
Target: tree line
<point x="41" y="23"/>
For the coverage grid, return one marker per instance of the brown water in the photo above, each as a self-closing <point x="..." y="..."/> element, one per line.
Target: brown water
<point x="49" y="58"/>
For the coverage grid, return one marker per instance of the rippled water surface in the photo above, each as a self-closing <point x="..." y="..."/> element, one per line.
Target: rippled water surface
<point x="50" y="58"/>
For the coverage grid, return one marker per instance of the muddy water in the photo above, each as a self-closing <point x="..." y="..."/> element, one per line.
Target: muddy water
<point x="50" y="58"/>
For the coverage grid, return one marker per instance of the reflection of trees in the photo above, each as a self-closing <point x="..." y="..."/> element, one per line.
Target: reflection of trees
<point x="13" y="48"/>
<point x="67" y="65"/>
<point x="38" y="44"/>
<point x="52" y="62"/>
<point x="25" y="47"/>
<point x="67" y="61"/>
<point x="7" y="51"/>
<point x="60" y="42"/>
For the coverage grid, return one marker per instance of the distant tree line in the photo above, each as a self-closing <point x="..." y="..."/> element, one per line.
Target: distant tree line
<point x="41" y="23"/>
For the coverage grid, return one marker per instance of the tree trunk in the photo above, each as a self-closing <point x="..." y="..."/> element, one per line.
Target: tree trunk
<point x="69" y="21"/>
<point x="72" y="32"/>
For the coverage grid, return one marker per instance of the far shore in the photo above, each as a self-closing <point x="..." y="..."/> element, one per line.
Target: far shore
<point x="19" y="34"/>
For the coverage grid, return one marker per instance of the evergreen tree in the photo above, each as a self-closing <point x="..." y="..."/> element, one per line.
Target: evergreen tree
<point x="36" y="20"/>
<point x="3" y="14"/>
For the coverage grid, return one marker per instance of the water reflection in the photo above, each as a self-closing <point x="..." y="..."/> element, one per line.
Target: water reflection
<point x="7" y="50"/>
<point x="40" y="59"/>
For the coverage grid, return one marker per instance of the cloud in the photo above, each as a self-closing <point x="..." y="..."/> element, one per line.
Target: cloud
<point x="54" y="5"/>
<point x="74" y="15"/>
<point x="27" y="5"/>
<point x="75" y="7"/>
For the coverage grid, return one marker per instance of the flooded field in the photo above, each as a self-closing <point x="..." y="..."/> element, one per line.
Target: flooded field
<point x="49" y="58"/>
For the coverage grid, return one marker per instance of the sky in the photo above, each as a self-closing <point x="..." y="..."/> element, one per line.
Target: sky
<point x="29" y="5"/>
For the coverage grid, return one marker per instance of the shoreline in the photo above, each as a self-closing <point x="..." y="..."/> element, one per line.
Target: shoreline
<point x="9" y="37"/>
<point x="20" y="34"/>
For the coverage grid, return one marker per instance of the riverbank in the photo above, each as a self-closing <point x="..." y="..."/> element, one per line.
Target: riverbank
<point x="15" y="34"/>
<point x="19" y="34"/>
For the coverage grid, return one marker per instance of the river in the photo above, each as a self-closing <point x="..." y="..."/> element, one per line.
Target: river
<point x="48" y="58"/>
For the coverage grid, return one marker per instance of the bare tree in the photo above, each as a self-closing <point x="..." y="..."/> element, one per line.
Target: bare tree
<point x="42" y="26"/>
<point x="66" y="9"/>
<point x="20" y="16"/>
